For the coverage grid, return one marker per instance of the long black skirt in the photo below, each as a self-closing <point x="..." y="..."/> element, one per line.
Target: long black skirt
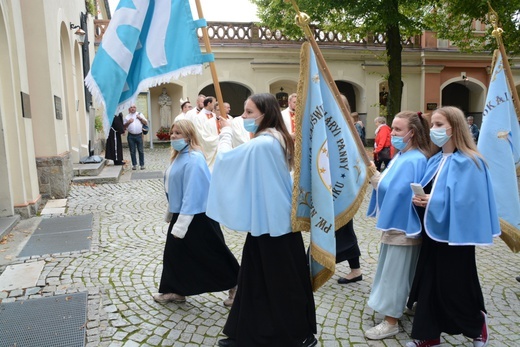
<point x="347" y="247"/>
<point x="199" y="263"/>
<point x="274" y="304"/>
<point x="447" y="291"/>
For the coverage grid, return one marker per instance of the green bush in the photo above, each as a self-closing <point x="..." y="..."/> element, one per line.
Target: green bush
<point x="91" y="7"/>
<point x="98" y="124"/>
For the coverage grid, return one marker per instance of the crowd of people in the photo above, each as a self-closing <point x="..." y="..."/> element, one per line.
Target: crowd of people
<point x="221" y="164"/>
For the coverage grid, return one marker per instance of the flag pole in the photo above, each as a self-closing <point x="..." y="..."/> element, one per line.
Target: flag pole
<point x="302" y="20"/>
<point x="497" y="33"/>
<point x="212" y="66"/>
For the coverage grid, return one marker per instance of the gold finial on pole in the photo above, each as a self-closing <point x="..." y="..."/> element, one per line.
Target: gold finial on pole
<point x="497" y="34"/>
<point x="303" y="20"/>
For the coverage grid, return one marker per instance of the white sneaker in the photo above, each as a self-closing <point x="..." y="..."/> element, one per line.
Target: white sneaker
<point x="483" y="339"/>
<point x="382" y="331"/>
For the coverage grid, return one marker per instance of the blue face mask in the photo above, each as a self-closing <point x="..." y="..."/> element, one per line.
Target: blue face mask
<point x="178" y="144"/>
<point x="398" y="142"/>
<point x="439" y="136"/>
<point x="250" y="125"/>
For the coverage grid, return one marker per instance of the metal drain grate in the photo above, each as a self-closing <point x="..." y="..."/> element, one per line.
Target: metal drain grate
<point x="57" y="321"/>
<point x="64" y="224"/>
<point x="58" y="235"/>
<point x="147" y="175"/>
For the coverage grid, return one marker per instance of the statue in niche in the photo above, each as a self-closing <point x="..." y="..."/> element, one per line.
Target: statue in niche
<point x="165" y="109"/>
<point x="383" y="97"/>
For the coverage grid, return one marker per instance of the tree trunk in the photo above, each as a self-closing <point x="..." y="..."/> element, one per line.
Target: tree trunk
<point x="394" y="50"/>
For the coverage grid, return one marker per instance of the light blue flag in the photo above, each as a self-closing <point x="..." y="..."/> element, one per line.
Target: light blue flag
<point x="147" y="43"/>
<point x="499" y="143"/>
<point x="330" y="175"/>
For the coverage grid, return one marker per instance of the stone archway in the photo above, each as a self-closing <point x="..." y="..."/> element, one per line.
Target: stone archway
<point x="233" y="93"/>
<point x="456" y="94"/>
<point x="348" y="90"/>
<point x="467" y="95"/>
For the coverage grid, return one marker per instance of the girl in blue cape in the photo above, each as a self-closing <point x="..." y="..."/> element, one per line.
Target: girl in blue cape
<point x="250" y="191"/>
<point x="400" y="224"/>
<point x="459" y="213"/>
<point x="196" y="258"/>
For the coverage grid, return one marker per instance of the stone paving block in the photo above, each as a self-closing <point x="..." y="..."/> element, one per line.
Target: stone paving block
<point x="16" y="293"/>
<point x="131" y="344"/>
<point x="139" y="337"/>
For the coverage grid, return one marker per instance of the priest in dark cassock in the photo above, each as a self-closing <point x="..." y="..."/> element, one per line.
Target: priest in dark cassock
<point x="114" y="146"/>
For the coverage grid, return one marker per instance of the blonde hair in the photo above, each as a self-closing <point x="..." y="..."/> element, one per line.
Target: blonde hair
<point x="186" y="128"/>
<point x="460" y="134"/>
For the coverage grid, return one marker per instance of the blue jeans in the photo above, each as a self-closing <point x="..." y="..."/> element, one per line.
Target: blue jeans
<point x="133" y="142"/>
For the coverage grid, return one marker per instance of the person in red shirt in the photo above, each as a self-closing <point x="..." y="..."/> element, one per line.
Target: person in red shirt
<point x="383" y="151"/>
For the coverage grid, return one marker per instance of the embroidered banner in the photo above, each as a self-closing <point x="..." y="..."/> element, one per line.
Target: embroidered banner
<point x="330" y="176"/>
<point x="499" y="143"/>
<point x="147" y="43"/>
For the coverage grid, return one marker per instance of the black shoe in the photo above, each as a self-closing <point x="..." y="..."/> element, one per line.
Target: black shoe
<point x="343" y="280"/>
<point x="310" y="341"/>
<point x="227" y="342"/>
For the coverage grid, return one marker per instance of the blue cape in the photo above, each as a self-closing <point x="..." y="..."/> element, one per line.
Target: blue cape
<point x="188" y="183"/>
<point x="251" y="188"/>
<point x="391" y="202"/>
<point x="461" y="209"/>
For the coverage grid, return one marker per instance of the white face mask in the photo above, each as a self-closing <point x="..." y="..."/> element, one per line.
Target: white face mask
<point x="439" y="136"/>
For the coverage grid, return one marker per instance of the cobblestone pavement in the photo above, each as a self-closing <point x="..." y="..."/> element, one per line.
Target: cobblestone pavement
<point x="122" y="270"/>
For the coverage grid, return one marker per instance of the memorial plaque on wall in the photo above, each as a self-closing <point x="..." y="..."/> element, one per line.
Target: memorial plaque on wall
<point x="57" y="107"/>
<point x="431" y="106"/>
<point x="26" y="105"/>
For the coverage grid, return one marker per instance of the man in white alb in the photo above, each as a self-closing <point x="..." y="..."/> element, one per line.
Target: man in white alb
<point x="208" y="129"/>
<point x="185" y="108"/>
<point x="240" y="134"/>
<point x="190" y="115"/>
<point x="289" y="113"/>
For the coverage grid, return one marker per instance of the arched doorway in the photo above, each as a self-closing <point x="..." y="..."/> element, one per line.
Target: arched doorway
<point x="347" y="89"/>
<point x="468" y="95"/>
<point x="67" y="97"/>
<point x="456" y="94"/>
<point x="233" y="93"/>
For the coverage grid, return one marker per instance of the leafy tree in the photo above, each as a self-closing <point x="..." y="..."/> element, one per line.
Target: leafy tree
<point x="395" y="19"/>
<point x="398" y="20"/>
<point x="453" y="20"/>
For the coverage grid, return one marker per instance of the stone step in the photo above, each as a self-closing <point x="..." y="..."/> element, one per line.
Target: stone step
<point x="92" y="169"/>
<point x="109" y="174"/>
<point x="7" y="224"/>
